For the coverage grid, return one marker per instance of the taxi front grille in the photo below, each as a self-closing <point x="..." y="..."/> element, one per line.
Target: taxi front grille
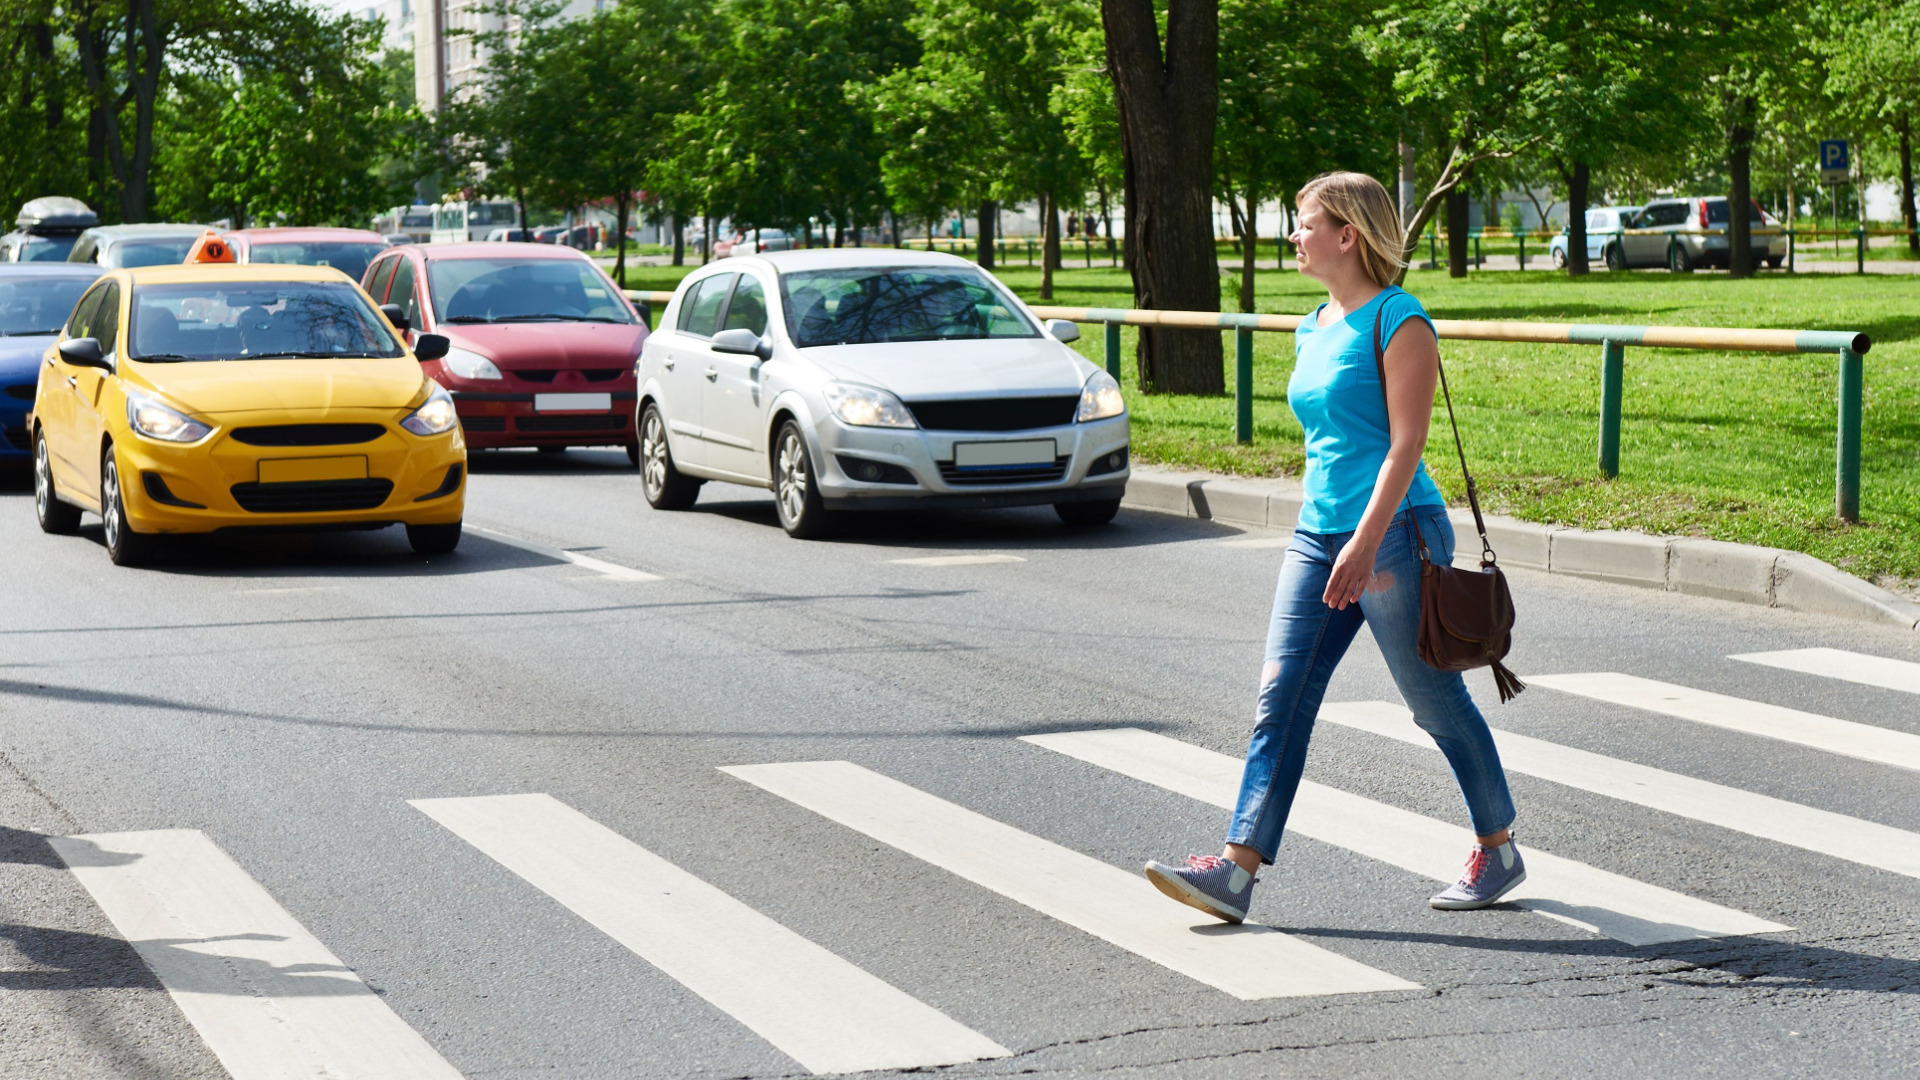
<point x="312" y="496"/>
<point x="1004" y="474"/>
<point x="309" y="434"/>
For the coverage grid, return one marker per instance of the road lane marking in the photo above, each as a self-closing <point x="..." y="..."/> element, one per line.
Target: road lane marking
<point x="271" y="1001"/>
<point x="812" y="1005"/>
<point x="1119" y="906"/>
<point x="957" y="560"/>
<point x="1853" y="839"/>
<point x="1844" y="737"/>
<point x="1841" y="664"/>
<point x="1262" y="542"/>
<point x="584" y="562"/>
<point x="1573" y="892"/>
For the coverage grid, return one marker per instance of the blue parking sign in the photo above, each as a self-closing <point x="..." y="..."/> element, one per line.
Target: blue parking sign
<point x="1834" y="161"/>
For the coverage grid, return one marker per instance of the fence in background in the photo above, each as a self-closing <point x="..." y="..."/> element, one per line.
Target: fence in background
<point x="1850" y="347"/>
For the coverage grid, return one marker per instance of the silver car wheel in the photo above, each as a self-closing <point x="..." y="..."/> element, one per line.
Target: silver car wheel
<point x="792" y="467"/>
<point x="653" y="454"/>
<point x="42" y="478"/>
<point x="110" y="502"/>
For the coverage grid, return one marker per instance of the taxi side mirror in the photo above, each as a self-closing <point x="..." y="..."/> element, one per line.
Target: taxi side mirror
<point x="396" y="315"/>
<point x="430" y="347"/>
<point x="83" y="352"/>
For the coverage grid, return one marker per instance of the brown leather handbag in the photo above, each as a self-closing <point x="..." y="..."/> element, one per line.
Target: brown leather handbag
<point x="1466" y="616"/>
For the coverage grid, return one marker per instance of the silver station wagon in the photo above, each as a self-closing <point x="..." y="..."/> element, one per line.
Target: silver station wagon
<point x="862" y="379"/>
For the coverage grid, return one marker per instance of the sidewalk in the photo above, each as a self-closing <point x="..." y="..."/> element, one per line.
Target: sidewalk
<point x="1768" y="577"/>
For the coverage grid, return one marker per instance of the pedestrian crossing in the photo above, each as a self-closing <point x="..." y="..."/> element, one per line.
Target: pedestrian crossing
<point x="272" y="1001"/>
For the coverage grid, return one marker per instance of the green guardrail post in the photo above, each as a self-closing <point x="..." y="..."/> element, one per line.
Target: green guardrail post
<point x="1612" y="378"/>
<point x="1846" y="493"/>
<point x="1478" y="260"/>
<point x="1088" y="241"/>
<point x="1029" y="251"/>
<point x="1860" y="251"/>
<point x="1113" y="350"/>
<point x="1433" y="248"/>
<point x="1523" y="249"/>
<point x="1792" y="235"/>
<point x="1243" y="385"/>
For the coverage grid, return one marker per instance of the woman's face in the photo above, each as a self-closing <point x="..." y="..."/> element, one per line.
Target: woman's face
<point x="1321" y="240"/>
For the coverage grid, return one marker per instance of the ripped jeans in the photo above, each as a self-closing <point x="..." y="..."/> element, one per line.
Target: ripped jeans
<point x="1305" y="643"/>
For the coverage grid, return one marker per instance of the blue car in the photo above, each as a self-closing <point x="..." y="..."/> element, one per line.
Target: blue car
<point x="1602" y="223"/>
<point x="35" y="300"/>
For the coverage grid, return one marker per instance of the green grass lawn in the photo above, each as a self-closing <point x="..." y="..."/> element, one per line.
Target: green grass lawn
<point x="1733" y="446"/>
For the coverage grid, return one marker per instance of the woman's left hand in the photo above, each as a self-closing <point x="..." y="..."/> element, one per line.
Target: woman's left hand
<point x="1352" y="570"/>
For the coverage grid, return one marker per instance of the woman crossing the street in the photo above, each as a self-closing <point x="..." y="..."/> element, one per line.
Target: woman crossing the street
<point x="1366" y="354"/>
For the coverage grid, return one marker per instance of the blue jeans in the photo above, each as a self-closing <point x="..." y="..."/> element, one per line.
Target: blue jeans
<point x="1305" y="643"/>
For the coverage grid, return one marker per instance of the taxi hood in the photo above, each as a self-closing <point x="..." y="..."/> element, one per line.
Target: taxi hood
<point x="295" y="385"/>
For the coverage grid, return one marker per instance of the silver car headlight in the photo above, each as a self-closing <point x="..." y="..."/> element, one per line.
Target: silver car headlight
<point x="157" y="421"/>
<point x="1100" y="398"/>
<point x="435" y="416"/>
<point x="470" y="365"/>
<point x="867" y="406"/>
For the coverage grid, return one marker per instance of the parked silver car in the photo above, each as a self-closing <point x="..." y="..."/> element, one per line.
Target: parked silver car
<point x="1602" y="223"/>
<point x="118" y="246"/>
<point x="870" y="379"/>
<point x="1681" y="234"/>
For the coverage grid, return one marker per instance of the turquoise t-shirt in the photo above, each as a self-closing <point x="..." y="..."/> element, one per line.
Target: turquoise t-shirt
<point x="1336" y="395"/>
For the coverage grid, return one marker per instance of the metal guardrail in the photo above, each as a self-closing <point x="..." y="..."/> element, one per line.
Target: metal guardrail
<point x="1850" y="346"/>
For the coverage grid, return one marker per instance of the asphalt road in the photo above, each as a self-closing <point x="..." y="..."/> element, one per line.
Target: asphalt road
<point x="285" y="699"/>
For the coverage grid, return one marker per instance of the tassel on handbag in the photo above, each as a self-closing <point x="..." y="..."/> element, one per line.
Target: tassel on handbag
<point x="1466" y="616"/>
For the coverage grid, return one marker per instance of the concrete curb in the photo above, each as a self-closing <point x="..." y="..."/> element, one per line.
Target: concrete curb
<point x="1741" y="572"/>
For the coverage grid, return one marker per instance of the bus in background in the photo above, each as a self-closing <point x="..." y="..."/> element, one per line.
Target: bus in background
<point x="460" y="222"/>
<point x="413" y="222"/>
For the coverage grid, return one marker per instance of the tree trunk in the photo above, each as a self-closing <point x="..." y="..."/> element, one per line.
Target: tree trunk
<point x="1578" y="192"/>
<point x="1458" y="214"/>
<point x="1049" y="243"/>
<point x="984" y="226"/>
<point x="621" y="204"/>
<point x="930" y="228"/>
<point x="1247" y="231"/>
<point x="679" y="240"/>
<point x="520" y="203"/>
<point x="145" y="86"/>
<point x="893" y="226"/>
<point x="1909" y="219"/>
<point x="1168" y="102"/>
<point x="1740" y="197"/>
<point x="706" y="238"/>
<point x="839" y="235"/>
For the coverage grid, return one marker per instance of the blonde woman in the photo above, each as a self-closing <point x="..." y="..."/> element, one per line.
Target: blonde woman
<point x="1353" y="558"/>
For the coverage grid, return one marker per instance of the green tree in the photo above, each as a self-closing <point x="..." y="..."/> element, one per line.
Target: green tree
<point x="1873" y="76"/>
<point x="43" y="106"/>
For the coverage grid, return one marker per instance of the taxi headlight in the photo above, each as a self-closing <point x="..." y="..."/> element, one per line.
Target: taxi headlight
<point x="156" y="421"/>
<point x="435" y="417"/>
<point x="867" y="406"/>
<point x="1100" y="398"/>
<point x="469" y="365"/>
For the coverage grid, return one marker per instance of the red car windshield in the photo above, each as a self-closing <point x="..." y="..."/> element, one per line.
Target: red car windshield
<point x="523" y="290"/>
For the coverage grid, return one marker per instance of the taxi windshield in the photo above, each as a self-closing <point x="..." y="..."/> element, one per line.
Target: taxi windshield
<point x="33" y="306"/>
<point x="870" y="305"/>
<point x="523" y="290"/>
<point x="347" y="257"/>
<point x="256" y="320"/>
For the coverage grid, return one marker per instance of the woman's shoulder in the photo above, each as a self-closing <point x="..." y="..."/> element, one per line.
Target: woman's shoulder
<point x="1398" y="303"/>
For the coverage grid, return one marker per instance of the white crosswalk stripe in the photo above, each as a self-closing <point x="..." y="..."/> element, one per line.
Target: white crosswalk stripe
<point x="822" y="1011"/>
<point x="611" y="571"/>
<point x="1572" y="892"/>
<point x="1116" y="905"/>
<point x="271" y="1001"/>
<point x="1835" y="736"/>
<point x="1842" y="664"/>
<point x="1868" y="843"/>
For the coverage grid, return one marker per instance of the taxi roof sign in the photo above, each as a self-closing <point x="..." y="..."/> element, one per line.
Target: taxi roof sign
<point x="210" y="249"/>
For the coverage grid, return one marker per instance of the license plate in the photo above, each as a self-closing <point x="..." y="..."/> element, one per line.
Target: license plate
<point x="572" y="402"/>
<point x="295" y="470"/>
<point x="972" y="455"/>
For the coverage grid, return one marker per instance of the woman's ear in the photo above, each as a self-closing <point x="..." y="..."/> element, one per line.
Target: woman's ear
<point x="1349" y="237"/>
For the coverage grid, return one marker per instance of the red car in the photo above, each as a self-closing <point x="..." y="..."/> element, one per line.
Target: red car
<point x="346" y="250"/>
<point x="543" y="342"/>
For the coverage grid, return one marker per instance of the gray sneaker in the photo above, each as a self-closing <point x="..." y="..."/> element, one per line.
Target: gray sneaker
<point x="1215" y="885"/>
<point x="1491" y="874"/>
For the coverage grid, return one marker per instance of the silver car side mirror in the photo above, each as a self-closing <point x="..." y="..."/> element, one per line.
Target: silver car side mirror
<point x="1062" y="330"/>
<point x="742" y="341"/>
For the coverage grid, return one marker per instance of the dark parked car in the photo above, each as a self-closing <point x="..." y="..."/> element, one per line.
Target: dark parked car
<point x="35" y="301"/>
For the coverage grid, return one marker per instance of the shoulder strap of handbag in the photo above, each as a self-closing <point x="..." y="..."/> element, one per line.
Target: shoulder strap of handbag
<point x="1487" y="557"/>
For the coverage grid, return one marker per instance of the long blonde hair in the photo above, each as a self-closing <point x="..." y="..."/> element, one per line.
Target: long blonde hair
<point x="1359" y="200"/>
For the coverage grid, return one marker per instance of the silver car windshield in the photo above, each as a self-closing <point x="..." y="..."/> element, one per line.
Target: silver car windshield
<point x="867" y="305"/>
<point x="257" y="320"/>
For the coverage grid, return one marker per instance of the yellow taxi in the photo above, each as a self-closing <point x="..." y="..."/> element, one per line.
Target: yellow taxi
<point x="206" y="396"/>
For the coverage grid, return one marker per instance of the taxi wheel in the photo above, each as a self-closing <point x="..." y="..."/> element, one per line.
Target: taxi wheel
<point x="666" y="487"/>
<point x="124" y="546"/>
<point x="1087" y="514"/>
<point x="55" y="516"/>
<point x="433" y="539"/>
<point x="802" y="512"/>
